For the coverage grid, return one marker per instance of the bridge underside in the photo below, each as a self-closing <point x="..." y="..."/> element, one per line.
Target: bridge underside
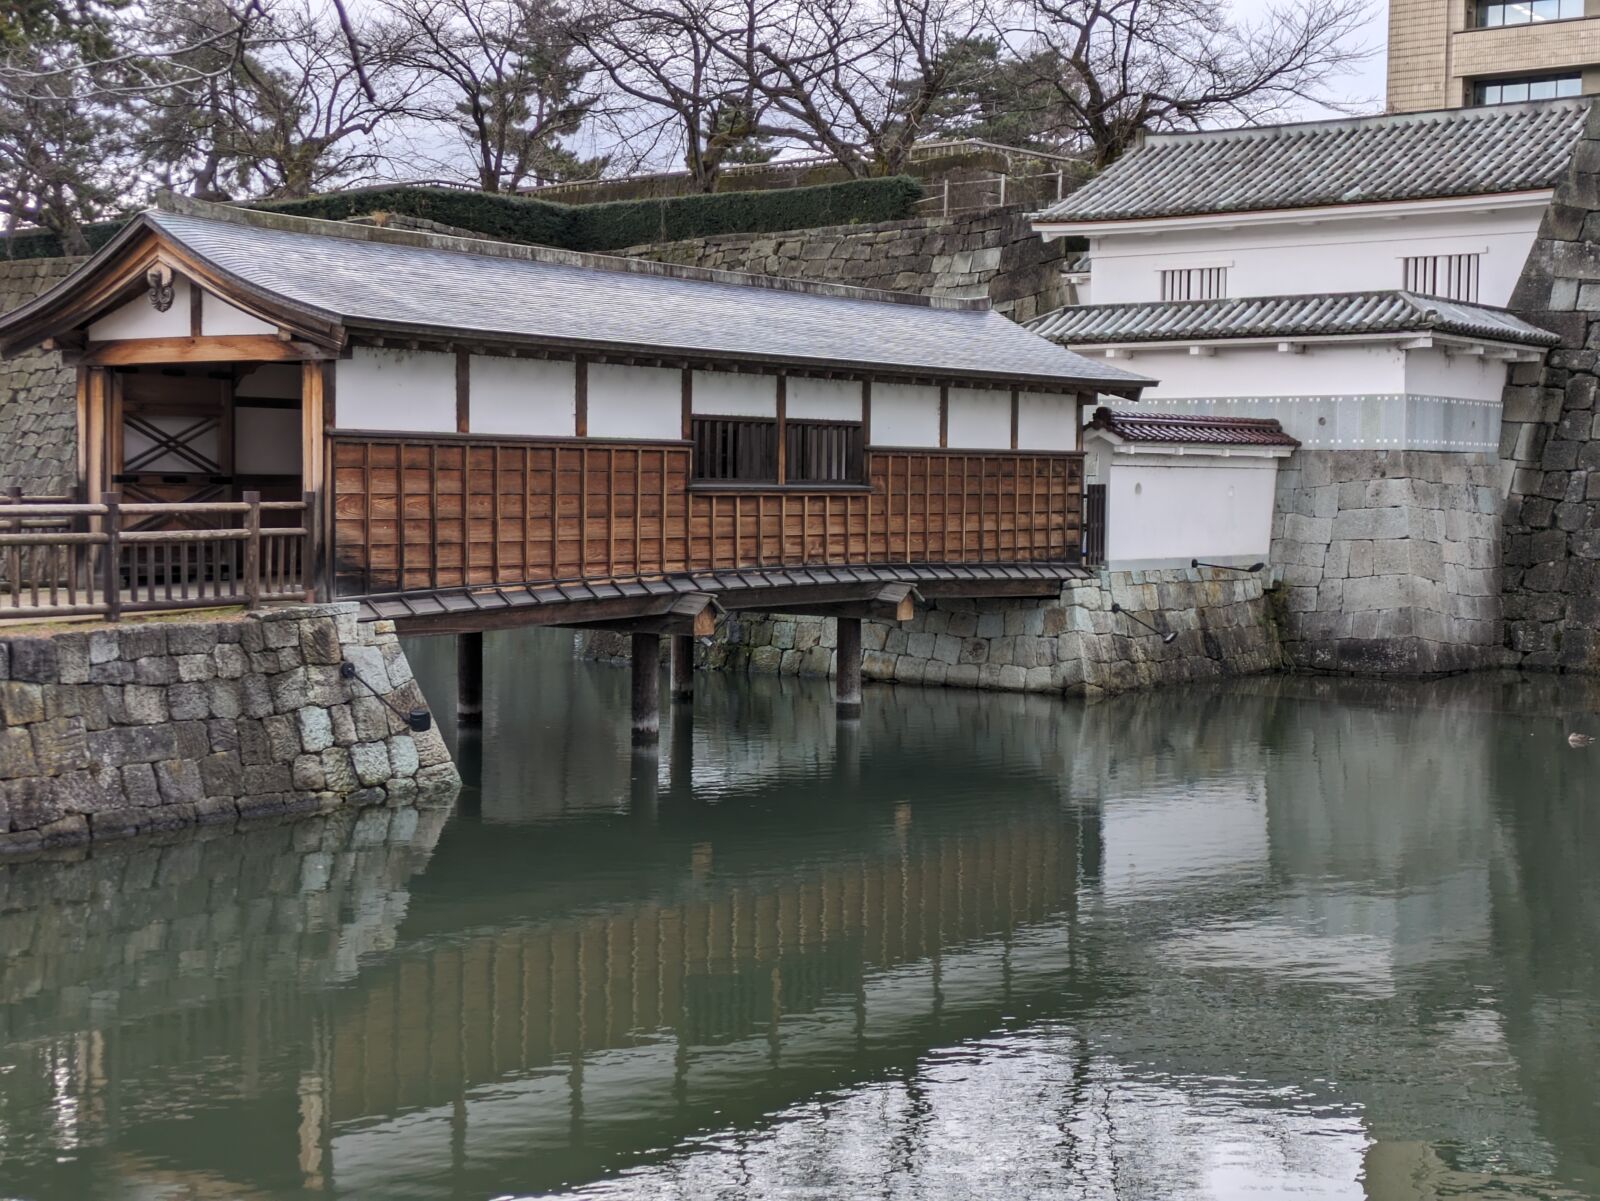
<point x="658" y="603"/>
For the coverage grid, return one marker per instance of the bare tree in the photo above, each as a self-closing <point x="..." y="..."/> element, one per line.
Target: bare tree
<point x="1119" y="68"/>
<point x="687" y="67"/>
<point x="500" y="74"/>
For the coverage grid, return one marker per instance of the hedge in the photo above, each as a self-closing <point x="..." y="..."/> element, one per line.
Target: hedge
<point x="620" y="223"/>
<point x="593" y="227"/>
<point x="48" y="246"/>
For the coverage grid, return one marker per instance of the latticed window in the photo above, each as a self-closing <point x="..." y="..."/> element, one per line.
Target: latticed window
<point x="1451" y="276"/>
<point x="1194" y="283"/>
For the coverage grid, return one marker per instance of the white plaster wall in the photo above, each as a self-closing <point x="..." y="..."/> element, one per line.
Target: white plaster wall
<point x="905" y="415"/>
<point x="531" y="397"/>
<point x="138" y="318"/>
<point x="218" y="317"/>
<point x="379" y="389"/>
<point x="822" y="399"/>
<point x="978" y="418"/>
<point x="1047" y="421"/>
<point x="635" y="402"/>
<point x="1346" y="255"/>
<point x="280" y="381"/>
<point x="1170" y="510"/>
<point x="1433" y="372"/>
<point x="266" y="441"/>
<point x="1266" y="371"/>
<point x="734" y="394"/>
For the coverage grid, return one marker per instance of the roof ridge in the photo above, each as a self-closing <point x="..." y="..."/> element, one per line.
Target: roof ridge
<point x="1439" y="116"/>
<point x="1418" y="299"/>
<point x="168" y="202"/>
<point x="1193" y="418"/>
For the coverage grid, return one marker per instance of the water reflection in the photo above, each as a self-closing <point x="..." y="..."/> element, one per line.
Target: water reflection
<point x="1281" y="936"/>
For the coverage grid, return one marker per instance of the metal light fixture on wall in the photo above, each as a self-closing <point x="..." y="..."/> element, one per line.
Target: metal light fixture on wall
<point x="1169" y="637"/>
<point x="1254" y="567"/>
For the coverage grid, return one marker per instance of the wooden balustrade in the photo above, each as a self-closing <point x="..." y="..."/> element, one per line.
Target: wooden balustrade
<point x="79" y="560"/>
<point x="423" y="513"/>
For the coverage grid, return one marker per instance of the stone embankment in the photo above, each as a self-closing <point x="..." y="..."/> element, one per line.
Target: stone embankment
<point x="1073" y="644"/>
<point x="1389" y="560"/>
<point x="992" y="254"/>
<point x="153" y="725"/>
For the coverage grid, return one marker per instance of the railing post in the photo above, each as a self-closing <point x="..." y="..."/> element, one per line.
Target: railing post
<point x="14" y="496"/>
<point x="252" y="551"/>
<point x="1002" y="191"/>
<point x="947" y="196"/>
<point x="111" y="565"/>
<point x="310" y="543"/>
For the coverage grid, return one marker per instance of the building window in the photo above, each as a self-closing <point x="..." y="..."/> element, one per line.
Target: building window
<point x="1451" y="276"/>
<point x="1494" y="13"/>
<point x="744" y="450"/>
<point x="735" y="449"/>
<point x="823" y="452"/>
<point x="1194" y="283"/>
<point x="1526" y="87"/>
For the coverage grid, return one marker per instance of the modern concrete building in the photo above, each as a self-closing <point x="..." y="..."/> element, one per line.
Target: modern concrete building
<point x="1470" y="52"/>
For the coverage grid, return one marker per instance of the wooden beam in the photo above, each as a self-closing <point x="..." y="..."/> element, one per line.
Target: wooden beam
<point x="989" y="588"/>
<point x="469" y="679"/>
<point x="228" y="348"/>
<point x="682" y="667"/>
<point x="606" y="613"/>
<point x="692" y="615"/>
<point x="1015" y="404"/>
<point x="463" y="392"/>
<point x="847" y="668"/>
<point x="580" y="401"/>
<point x="313" y="463"/>
<point x="783" y="440"/>
<point x="196" y="299"/>
<point x="646" y="688"/>
<point x="688" y="403"/>
<point x="944" y="414"/>
<point x="894" y="602"/>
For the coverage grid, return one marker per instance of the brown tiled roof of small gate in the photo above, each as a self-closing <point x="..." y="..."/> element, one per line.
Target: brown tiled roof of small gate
<point x="1182" y="428"/>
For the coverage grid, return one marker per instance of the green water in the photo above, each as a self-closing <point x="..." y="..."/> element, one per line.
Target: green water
<point x="1281" y="937"/>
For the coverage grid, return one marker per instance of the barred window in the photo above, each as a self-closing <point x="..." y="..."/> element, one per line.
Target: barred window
<point x="1194" y="283"/>
<point x="1450" y="276"/>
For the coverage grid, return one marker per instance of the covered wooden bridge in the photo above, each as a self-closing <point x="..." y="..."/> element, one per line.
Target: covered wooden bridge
<point x="466" y="435"/>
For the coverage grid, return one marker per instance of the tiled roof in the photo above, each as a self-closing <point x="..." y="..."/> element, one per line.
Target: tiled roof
<point x="412" y="283"/>
<point x="1283" y="317"/>
<point x="1410" y="156"/>
<point x="1173" y="428"/>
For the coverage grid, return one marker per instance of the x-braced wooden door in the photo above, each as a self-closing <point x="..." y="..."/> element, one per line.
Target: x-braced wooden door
<point x="172" y="441"/>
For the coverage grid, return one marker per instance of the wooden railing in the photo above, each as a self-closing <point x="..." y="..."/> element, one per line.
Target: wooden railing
<point x="72" y="560"/>
<point x="421" y="513"/>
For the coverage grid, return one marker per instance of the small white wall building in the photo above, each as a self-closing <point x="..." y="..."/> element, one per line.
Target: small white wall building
<point x="1167" y="489"/>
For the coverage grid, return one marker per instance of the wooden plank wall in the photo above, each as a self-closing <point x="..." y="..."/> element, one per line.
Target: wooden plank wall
<point x="423" y="513"/>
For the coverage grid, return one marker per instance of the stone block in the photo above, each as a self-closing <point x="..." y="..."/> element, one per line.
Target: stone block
<point x="21" y="703"/>
<point x="179" y="782"/>
<point x="316" y="729"/>
<point x="221" y="774"/>
<point x="371" y="762"/>
<point x="255" y="695"/>
<point x="155" y="670"/>
<point x="307" y="774"/>
<point x="266" y="779"/>
<point x="72" y="658"/>
<point x="33" y="661"/>
<point x="187" y="702"/>
<point x="338" y="772"/>
<point x="1371" y="523"/>
<point x="1377" y="592"/>
<point x="60" y="746"/>
<point x="104" y="647"/>
<point x="344" y="725"/>
<point x="144" y="705"/>
<point x="30" y="802"/>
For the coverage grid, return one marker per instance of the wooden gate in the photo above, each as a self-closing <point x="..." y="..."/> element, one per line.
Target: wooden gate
<point x="172" y="442"/>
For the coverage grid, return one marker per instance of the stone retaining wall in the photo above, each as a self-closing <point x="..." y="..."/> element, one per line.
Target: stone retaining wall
<point x="151" y="725"/>
<point x="38" y="396"/>
<point x="1074" y="645"/>
<point x="1389" y="560"/>
<point x="1551" y="434"/>
<point x="993" y="254"/>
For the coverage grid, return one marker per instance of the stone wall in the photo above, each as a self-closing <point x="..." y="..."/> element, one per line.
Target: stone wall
<point x="1074" y="645"/>
<point x="1389" y="561"/>
<point x="38" y="405"/>
<point x="993" y="254"/>
<point x="1551" y="434"/>
<point x="151" y="725"/>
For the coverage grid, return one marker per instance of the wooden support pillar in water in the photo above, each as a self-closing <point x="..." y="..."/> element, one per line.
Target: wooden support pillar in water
<point x="646" y="688"/>
<point x="469" y="679"/>
<point x="847" y="672"/>
<point x="682" y="667"/>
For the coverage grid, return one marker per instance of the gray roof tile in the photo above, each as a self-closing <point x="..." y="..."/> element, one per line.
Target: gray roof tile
<point x="371" y="279"/>
<point x="1139" y="426"/>
<point x="1282" y="317"/>
<point x="1411" y="156"/>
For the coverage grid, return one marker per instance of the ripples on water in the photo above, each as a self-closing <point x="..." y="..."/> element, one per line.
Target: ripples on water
<point x="1281" y="937"/>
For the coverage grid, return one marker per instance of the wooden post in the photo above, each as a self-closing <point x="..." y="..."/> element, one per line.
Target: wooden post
<point x="847" y="672"/>
<point x="111" y="565"/>
<point x="683" y="667"/>
<point x="469" y="679"/>
<point x="252" y="551"/>
<point x="646" y="688"/>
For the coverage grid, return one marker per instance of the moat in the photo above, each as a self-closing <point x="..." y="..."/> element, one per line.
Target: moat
<point x="1283" y="935"/>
